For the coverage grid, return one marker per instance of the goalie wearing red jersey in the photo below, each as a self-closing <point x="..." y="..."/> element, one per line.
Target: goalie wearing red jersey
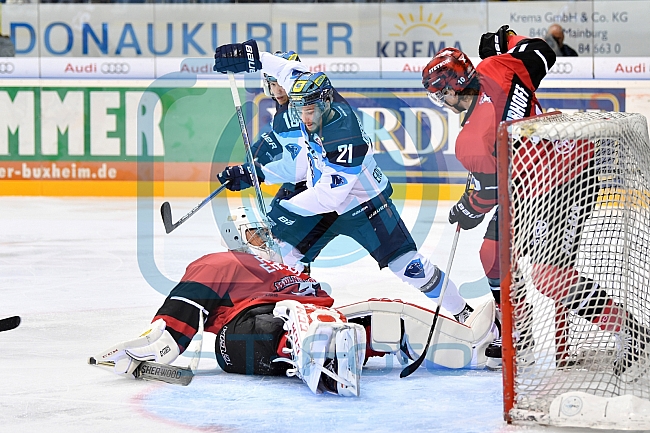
<point x="270" y="319"/>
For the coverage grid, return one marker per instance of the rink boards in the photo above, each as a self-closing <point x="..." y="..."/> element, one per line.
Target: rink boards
<point x="171" y="136"/>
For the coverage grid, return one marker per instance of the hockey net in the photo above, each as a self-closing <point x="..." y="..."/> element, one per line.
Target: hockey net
<point x="574" y="220"/>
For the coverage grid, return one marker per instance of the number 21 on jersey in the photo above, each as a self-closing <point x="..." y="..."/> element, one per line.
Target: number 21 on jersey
<point x="345" y="154"/>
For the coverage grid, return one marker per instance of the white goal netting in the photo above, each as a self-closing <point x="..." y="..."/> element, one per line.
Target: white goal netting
<point x="576" y="216"/>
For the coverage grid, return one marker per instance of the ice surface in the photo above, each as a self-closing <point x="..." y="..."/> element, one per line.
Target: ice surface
<point x="78" y="271"/>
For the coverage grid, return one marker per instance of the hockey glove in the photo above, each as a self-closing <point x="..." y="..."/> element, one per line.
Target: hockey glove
<point x="464" y="214"/>
<point x="493" y="44"/>
<point x="240" y="176"/>
<point x="244" y="57"/>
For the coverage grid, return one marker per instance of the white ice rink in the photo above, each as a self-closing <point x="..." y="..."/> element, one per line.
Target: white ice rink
<point x="73" y="269"/>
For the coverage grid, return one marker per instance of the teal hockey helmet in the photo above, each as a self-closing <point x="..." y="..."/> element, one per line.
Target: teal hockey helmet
<point x="311" y="88"/>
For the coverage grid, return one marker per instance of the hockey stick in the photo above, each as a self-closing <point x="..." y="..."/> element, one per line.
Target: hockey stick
<point x="148" y="370"/>
<point x="247" y="145"/>
<point x="409" y="369"/>
<point x="9" y="323"/>
<point x="166" y="210"/>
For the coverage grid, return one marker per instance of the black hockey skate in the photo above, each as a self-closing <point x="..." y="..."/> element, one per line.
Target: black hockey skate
<point x="327" y="383"/>
<point x="493" y="354"/>
<point x="524" y="342"/>
<point x="464" y="314"/>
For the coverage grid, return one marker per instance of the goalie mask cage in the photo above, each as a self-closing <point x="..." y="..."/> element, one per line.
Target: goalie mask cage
<point x="581" y="178"/>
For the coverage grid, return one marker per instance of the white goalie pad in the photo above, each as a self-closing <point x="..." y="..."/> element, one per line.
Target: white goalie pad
<point x="155" y="343"/>
<point x="454" y="345"/>
<point x="317" y="334"/>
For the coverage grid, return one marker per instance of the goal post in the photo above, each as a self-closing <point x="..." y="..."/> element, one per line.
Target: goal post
<point x="574" y="227"/>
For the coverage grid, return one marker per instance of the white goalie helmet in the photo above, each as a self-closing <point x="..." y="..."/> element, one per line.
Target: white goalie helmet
<point x="238" y="233"/>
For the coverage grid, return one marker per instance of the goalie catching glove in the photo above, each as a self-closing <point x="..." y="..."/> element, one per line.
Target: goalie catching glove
<point x="327" y="353"/>
<point x="240" y="176"/>
<point x="244" y="57"/>
<point x="464" y="214"/>
<point x="154" y="344"/>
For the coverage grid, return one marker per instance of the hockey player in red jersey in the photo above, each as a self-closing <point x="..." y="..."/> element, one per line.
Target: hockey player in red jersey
<point x="270" y="319"/>
<point x="501" y="88"/>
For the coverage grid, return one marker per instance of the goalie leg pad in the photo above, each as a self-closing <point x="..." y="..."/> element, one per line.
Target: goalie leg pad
<point x="455" y="344"/>
<point x="314" y="334"/>
<point x="350" y="355"/>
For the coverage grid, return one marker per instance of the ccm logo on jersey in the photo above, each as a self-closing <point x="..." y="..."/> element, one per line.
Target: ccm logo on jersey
<point x="165" y="350"/>
<point x="286" y="220"/>
<point x="376" y="173"/>
<point x="251" y="59"/>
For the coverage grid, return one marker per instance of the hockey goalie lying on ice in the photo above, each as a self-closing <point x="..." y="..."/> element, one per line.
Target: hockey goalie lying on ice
<point x="272" y="320"/>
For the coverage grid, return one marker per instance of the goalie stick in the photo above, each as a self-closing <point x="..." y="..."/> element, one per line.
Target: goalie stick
<point x="166" y="210"/>
<point x="409" y="369"/>
<point x="9" y="323"/>
<point x="148" y="370"/>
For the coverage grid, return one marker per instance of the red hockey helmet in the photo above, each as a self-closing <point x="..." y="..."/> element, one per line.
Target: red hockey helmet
<point x="449" y="69"/>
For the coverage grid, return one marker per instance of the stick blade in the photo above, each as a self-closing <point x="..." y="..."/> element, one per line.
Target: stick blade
<point x="166" y="213"/>
<point x="409" y="369"/>
<point x="149" y="370"/>
<point x="9" y="323"/>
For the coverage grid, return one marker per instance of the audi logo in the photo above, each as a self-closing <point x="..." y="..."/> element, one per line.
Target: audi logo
<point x="115" y="68"/>
<point x="7" y="68"/>
<point x="561" y="68"/>
<point x="349" y="68"/>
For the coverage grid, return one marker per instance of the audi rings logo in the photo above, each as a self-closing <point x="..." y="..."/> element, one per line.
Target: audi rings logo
<point x="115" y="68"/>
<point x="346" y="68"/>
<point x="7" y="68"/>
<point x="561" y="68"/>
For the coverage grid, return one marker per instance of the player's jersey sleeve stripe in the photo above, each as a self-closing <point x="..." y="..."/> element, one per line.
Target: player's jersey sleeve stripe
<point x="543" y="60"/>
